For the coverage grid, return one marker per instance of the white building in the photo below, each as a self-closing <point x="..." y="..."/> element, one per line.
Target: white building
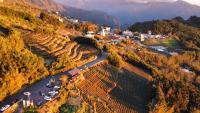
<point x="61" y="20"/>
<point x="90" y="34"/>
<point x="142" y="37"/>
<point x="103" y="33"/>
<point x="128" y="33"/>
<point x="108" y="29"/>
<point x="149" y="32"/>
<point x="74" y="20"/>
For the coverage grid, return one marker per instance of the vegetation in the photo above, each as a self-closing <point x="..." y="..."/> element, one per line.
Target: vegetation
<point x="60" y="52"/>
<point x="88" y="41"/>
<point x="113" y="56"/>
<point x="25" y="16"/>
<point x="192" y="21"/>
<point x="48" y="18"/>
<point x="87" y="26"/>
<point x="30" y="110"/>
<point x="28" y="44"/>
<point x="62" y="63"/>
<point x="112" y="90"/>
<point x="114" y="59"/>
<point x="106" y="88"/>
<point x="188" y="36"/>
<point x="136" y="60"/>
<point x="18" y="66"/>
<point x="175" y="89"/>
<point x="68" y="109"/>
<point x="170" y="43"/>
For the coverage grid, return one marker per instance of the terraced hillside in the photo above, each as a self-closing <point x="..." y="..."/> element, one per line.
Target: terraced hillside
<point x="53" y="47"/>
<point x="120" y="90"/>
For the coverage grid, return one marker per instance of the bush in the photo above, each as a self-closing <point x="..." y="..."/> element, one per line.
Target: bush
<point x="68" y="109"/>
<point x="18" y="66"/>
<point x="136" y="60"/>
<point x="30" y="110"/>
<point x="88" y="41"/>
<point x="62" y="63"/>
<point x="114" y="59"/>
<point x="17" y="14"/>
<point x="50" y="19"/>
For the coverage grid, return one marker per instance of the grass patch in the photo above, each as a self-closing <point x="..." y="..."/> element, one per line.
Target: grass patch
<point x="170" y="43"/>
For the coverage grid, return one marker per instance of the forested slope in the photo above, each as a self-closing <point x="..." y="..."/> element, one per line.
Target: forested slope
<point x="186" y="32"/>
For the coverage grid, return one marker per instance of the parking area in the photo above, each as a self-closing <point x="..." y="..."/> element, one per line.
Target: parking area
<point x="36" y="96"/>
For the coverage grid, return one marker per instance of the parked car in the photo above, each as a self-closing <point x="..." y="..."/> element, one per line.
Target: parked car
<point x="56" y="87"/>
<point x="51" y="95"/>
<point x="47" y="98"/>
<point x="53" y="92"/>
<point x="4" y="108"/>
<point x="48" y="85"/>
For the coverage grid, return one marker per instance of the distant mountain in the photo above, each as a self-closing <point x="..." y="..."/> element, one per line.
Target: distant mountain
<point x="97" y="17"/>
<point x="126" y="14"/>
<point x="138" y="12"/>
<point x="131" y="12"/>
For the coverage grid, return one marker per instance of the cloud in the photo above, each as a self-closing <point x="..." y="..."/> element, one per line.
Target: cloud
<point x="195" y="2"/>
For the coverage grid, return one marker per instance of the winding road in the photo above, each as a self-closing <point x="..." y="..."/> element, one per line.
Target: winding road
<point x="40" y="86"/>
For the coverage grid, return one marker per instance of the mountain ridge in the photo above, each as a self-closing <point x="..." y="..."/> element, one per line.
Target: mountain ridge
<point x="131" y="12"/>
<point x="159" y="10"/>
<point x="98" y="17"/>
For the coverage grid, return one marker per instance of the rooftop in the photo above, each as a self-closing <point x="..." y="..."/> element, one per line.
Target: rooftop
<point x="74" y="72"/>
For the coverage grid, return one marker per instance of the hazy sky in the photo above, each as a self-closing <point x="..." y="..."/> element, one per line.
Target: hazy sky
<point x="82" y="3"/>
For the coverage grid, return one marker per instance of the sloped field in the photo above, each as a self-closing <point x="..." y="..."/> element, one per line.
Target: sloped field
<point x="123" y="92"/>
<point x="55" y="46"/>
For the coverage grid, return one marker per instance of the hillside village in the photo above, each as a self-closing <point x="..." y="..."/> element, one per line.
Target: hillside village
<point x="52" y="63"/>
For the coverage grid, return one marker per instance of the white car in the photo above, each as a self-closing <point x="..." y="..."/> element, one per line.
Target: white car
<point x="56" y="87"/>
<point x="47" y="98"/>
<point x="4" y="108"/>
<point x="48" y="85"/>
<point x="53" y="92"/>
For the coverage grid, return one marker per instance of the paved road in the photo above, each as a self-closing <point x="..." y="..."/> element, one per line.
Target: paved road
<point x="41" y="86"/>
<point x="90" y="64"/>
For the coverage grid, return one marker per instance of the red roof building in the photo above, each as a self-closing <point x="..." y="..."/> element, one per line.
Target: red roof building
<point x="74" y="72"/>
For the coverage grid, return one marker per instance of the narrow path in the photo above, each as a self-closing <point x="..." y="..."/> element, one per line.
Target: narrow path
<point x="136" y="70"/>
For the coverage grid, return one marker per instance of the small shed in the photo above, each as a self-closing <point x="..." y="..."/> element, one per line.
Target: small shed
<point x="74" y="72"/>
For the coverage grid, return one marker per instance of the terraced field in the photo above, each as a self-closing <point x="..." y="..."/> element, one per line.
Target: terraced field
<point x="123" y="92"/>
<point x="51" y="47"/>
